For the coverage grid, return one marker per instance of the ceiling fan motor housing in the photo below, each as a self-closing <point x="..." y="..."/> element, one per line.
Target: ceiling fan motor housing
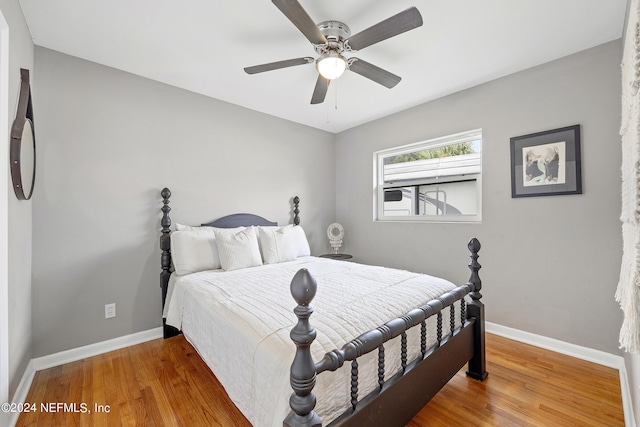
<point x="336" y="33"/>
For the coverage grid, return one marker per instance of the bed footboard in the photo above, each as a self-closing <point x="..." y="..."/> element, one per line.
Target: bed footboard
<point x="400" y="397"/>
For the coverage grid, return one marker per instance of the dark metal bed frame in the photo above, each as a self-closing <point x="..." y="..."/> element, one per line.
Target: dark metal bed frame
<point x="398" y="398"/>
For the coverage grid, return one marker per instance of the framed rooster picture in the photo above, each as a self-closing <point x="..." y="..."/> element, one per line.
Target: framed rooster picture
<point x="546" y="163"/>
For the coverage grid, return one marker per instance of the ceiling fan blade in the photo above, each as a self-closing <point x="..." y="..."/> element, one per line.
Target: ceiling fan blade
<point x="278" y="64"/>
<point x="372" y="72"/>
<point x="397" y="24"/>
<point x="299" y="17"/>
<point x="320" y="91"/>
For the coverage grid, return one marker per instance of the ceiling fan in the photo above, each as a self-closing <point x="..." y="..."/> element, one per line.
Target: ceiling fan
<point x="331" y="39"/>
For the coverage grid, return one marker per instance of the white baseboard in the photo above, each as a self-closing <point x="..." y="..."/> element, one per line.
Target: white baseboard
<point x="74" y="354"/>
<point x="584" y="353"/>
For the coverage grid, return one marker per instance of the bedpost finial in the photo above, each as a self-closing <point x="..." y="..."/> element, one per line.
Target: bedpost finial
<point x="165" y="193"/>
<point x="474" y="245"/>
<point x="474" y="266"/>
<point x="303" y="287"/>
<point x="296" y="210"/>
<point x="166" y="220"/>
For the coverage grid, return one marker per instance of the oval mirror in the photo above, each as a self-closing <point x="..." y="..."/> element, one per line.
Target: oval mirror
<point x="27" y="161"/>
<point x="23" y="143"/>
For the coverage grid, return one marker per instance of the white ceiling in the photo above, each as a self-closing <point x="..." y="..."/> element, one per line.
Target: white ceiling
<point x="203" y="46"/>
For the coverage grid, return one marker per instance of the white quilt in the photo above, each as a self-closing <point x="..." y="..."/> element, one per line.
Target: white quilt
<point x="239" y="322"/>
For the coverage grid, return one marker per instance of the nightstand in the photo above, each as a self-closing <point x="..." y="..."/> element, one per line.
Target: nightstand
<point x="337" y="256"/>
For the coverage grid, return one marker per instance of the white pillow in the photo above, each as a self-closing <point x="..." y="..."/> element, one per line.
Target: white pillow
<point x="238" y="249"/>
<point x="194" y="250"/>
<point x="182" y="227"/>
<point x="277" y="244"/>
<point x="300" y="241"/>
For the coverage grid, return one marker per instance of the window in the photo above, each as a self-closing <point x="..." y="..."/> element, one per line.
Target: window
<point x="435" y="180"/>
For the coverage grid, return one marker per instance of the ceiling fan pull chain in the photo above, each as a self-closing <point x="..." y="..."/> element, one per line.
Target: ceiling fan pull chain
<point x="328" y="110"/>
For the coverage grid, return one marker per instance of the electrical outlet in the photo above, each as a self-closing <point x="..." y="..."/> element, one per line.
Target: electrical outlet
<point x="110" y="310"/>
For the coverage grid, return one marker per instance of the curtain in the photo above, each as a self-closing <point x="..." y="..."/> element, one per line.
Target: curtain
<point x="628" y="291"/>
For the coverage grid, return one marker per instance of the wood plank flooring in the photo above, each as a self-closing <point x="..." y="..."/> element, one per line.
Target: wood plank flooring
<point x="166" y="383"/>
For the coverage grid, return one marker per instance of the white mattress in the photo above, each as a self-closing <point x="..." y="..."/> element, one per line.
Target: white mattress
<point x="239" y="322"/>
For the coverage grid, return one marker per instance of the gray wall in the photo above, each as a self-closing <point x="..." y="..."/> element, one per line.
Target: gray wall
<point x="550" y="264"/>
<point x="19" y="218"/>
<point x="109" y="142"/>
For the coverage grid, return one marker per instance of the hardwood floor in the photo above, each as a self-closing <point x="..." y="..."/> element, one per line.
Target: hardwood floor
<point x="166" y="383"/>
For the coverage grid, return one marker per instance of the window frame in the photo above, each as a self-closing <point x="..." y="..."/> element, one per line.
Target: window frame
<point x="379" y="185"/>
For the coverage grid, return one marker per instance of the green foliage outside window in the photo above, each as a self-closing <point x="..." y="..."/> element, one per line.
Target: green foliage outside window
<point x="433" y="153"/>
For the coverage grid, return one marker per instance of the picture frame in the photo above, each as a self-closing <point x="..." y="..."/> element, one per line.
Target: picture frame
<point x="546" y="163"/>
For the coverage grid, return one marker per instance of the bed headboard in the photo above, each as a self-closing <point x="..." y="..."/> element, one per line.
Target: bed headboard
<point x="229" y="221"/>
<point x="239" y="220"/>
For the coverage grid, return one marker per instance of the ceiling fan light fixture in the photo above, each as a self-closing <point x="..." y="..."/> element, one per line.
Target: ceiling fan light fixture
<point x="331" y="65"/>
